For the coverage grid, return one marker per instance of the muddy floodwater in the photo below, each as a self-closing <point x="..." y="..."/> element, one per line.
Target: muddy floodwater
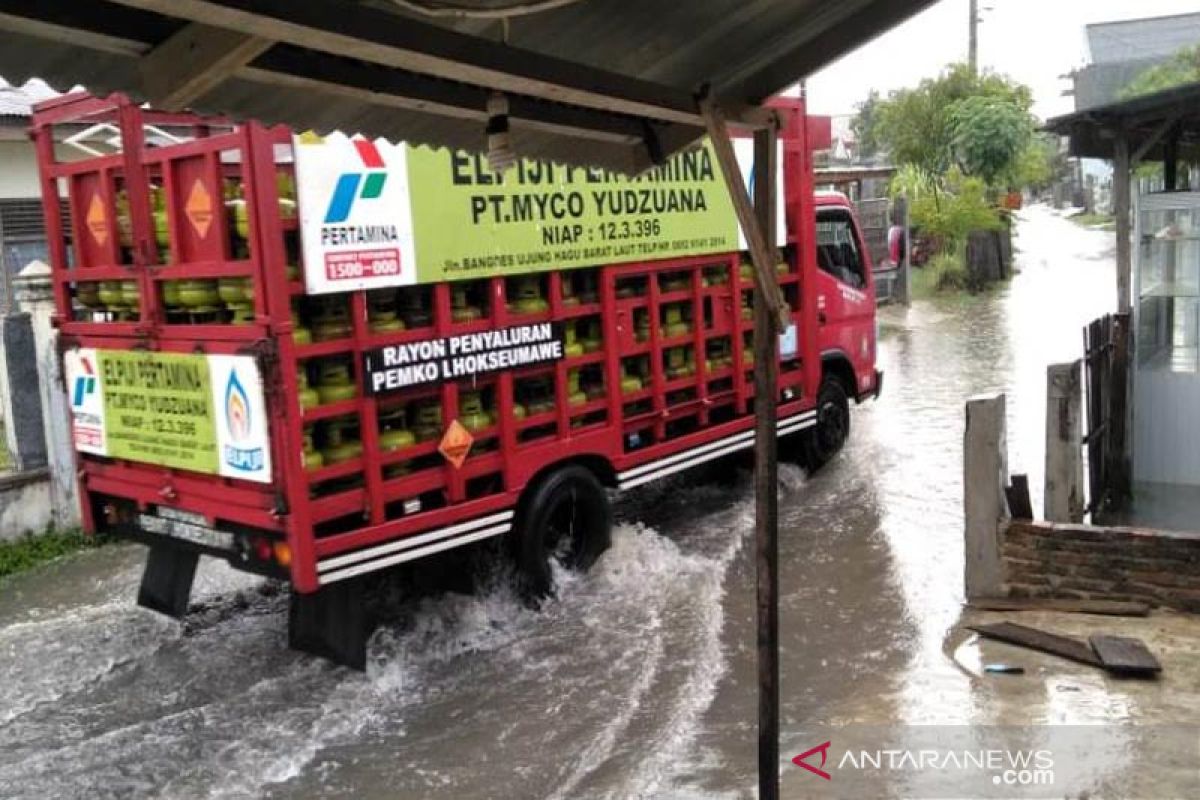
<point x="638" y="681"/>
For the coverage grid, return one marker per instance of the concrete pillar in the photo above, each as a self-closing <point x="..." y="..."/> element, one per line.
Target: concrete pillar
<point x="1064" y="448"/>
<point x="25" y="436"/>
<point x="985" y="474"/>
<point x="33" y="293"/>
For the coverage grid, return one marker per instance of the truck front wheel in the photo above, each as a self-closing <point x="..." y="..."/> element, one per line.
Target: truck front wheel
<point x="564" y="517"/>
<point x="826" y="440"/>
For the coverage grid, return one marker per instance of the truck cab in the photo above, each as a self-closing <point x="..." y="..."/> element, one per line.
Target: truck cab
<point x="845" y="295"/>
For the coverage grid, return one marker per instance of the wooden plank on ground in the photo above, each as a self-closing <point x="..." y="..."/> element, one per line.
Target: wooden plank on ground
<point x="1052" y="643"/>
<point x="1111" y="608"/>
<point x="1124" y="655"/>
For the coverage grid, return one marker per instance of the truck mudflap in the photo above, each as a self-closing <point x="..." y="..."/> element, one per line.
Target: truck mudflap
<point x="167" y="580"/>
<point x="874" y="392"/>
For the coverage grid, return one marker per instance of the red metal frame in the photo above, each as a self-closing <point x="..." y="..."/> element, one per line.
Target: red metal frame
<point x="668" y="416"/>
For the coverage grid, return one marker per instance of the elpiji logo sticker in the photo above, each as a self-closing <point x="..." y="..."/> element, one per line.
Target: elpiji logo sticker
<point x="239" y="425"/>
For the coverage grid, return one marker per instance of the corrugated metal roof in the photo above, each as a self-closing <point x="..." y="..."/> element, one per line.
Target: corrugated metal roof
<point x="18" y="101"/>
<point x="745" y="50"/>
<point x="1142" y="118"/>
<point x="1101" y="84"/>
<point x="1139" y="39"/>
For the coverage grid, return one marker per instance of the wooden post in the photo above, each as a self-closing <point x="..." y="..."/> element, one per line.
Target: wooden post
<point x="1171" y="162"/>
<point x="771" y="315"/>
<point x="973" y="38"/>
<point x="766" y="480"/>
<point x="985" y="473"/>
<point x="6" y="303"/>
<point x="1064" y="452"/>
<point x="1122" y="210"/>
<point x="905" y="221"/>
<point x="1119" y="450"/>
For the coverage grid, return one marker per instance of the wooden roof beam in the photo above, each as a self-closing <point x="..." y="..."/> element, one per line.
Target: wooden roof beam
<point x="194" y="61"/>
<point x="762" y="253"/>
<point x="1155" y="136"/>
<point x="292" y="66"/>
<point x="363" y="33"/>
<point x="288" y="65"/>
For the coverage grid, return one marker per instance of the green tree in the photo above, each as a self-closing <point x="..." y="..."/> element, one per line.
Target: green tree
<point x="988" y="136"/>
<point x="865" y="123"/>
<point x="916" y="126"/>
<point x="1041" y="164"/>
<point x="1183" y="67"/>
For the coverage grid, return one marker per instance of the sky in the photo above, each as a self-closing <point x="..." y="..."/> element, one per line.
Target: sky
<point x="1031" y="41"/>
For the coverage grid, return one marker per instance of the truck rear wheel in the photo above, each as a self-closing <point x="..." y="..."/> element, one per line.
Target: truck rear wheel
<point x="563" y="518"/>
<point x="832" y="430"/>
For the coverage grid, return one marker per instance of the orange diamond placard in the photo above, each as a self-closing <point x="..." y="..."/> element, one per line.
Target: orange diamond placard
<point x="456" y="444"/>
<point x="199" y="208"/>
<point x="97" y="220"/>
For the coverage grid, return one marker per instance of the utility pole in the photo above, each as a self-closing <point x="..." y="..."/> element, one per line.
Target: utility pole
<point x="973" y="41"/>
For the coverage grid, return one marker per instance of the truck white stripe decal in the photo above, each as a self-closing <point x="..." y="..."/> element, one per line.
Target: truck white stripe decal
<point x="638" y="481"/>
<point x="745" y="438"/>
<point x="410" y="542"/>
<point x="409" y="555"/>
<point x="409" y="548"/>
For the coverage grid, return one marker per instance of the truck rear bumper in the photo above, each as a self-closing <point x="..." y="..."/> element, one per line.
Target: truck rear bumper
<point x="161" y="533"/>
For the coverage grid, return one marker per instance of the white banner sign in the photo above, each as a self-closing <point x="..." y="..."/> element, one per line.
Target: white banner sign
<point x="180" y="410"/>
<point x="355" y="219"/>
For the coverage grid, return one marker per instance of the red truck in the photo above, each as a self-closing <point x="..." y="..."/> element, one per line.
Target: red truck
<point x="318" y="357"/>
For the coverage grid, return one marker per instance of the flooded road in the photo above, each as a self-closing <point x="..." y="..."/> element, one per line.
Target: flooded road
<point x="638" y="681"/>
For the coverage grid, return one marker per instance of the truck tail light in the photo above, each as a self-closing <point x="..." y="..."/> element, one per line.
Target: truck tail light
<point x="262" y="548"/>
<point x="283" y="554"/>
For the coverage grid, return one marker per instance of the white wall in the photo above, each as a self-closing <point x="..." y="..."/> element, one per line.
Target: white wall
<point x="18" y="170"/>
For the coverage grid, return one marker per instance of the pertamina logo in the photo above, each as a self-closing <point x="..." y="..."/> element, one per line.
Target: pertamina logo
<point x="239" y="425"/>
<point x="347" y="188"/>
<point x="360" y="239"/>
<point x="85" y="384"/>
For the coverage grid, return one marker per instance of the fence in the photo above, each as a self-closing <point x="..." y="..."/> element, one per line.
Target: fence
<point x="989" y="257"/>
<point x="1106" y="359"/>
<point x="875" y="220"/>
<point x="22" y="239"/>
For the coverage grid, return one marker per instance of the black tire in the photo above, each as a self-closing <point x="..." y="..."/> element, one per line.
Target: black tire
<point x="829" y="436"/>
<point x="563" y="517"/>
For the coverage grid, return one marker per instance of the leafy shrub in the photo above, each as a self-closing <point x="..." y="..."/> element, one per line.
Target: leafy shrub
<point x="27" y="552"/>
<point x="948" y="272"/>
<point x="949" y="209"/>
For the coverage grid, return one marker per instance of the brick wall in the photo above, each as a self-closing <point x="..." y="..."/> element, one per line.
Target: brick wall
<point x="1042" y="559"/>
